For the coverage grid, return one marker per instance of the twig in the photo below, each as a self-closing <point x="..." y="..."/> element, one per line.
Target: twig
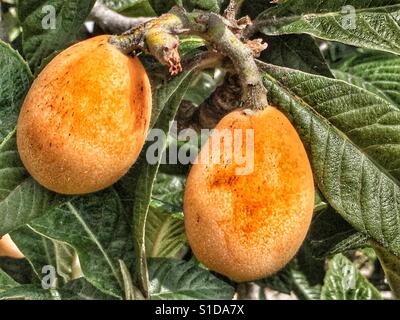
<point x="160" y="38"/>
<point x="233" y="9"/>
<point x="113" y="22"/>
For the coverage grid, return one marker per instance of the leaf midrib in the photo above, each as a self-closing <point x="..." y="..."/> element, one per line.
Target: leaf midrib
<point x="95" y="240"/>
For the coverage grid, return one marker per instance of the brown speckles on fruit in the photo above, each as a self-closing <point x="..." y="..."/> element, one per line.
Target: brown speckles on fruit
<point x="249" y="226"/>
<point x="85" y="119"/>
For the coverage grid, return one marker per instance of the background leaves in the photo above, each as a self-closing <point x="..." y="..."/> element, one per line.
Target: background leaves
<point x="377" y="74"/>
<point x="350" y="126"/>
<point x="344" y="282"/>
<point x="175" y="279"/>
<point x="14" y="83"/>
<point x="39" y="42"/>
<point x="340" y="138"/>
<point x="21" y="199"/>
<point x="137" y="185"/>
<point x="97" y="228"/>
<point x="365" y="24"/>
<point x="296" y="52"/>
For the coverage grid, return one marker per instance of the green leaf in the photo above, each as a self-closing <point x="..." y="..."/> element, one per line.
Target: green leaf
<point x="78" y="289"/>
<point x="379" y="75"/>
<point x="372" y="25"/>
<point x="165" y="91"/>
<point x="330" y="234"/>
<point x="296" y="52"/>
<point x="168" y="192"/>
<point x="120" y="5"/>
<point x="163" y="6"/>
<point x="172" y="279"/>
<point x="6" y="282"/>
<point x="319" y="203"/>
<point x="40" y="37"/>
<point x="21" y="199"/>
<point x="67" y="260"/>
<point x="346" y="131"/>
<point x="252" y="8"/>
<point x="38" y="250"/>
<point x="298" y="7"/>
<point x="302" y="287"/>
<point x="344" y="282"/>
<point x="96" y="227"/>
<point x="131" y="8"/>
<point x="188" y="43"/>
<point x="137" y="185"/>
<point x="18" y="269"/>
<point x="281" y="281"/>
<point x="131" y="292"/>
<point x="81" y="289"/>
<point x="208" y="5"/>
<point x="30" y="292"/>
<point x="391" y="266"/>
<point x="15" y="80"/>
<point x="165" y="234"/>
<point x="292" y="279"/>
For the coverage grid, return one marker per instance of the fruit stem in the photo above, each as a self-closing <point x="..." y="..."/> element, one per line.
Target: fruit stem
<point x="159" y="37"/>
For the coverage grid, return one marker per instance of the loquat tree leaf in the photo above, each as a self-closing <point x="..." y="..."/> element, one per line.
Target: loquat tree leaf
<point x="172" y="279"/>
<point x="30" y="292"/>
<point x="163" y="6"/>
<point x="50" y="25"/>
<point x="136" y="187"/>
<point x="38" y="250"/>
<point x="165" y="234"/>
<point x="352" y="138"/>
<point x="296" y="51"/>
<point x="377" y="74"/>
<point x="96" y="227"/>
<point x="41" y="252"/>
<point x="78" y="289"/>
<point x="130" y="290"/>
<point x="18" y="269"/>
<point x="168" y="191"/>
<point x="6" y="282"/>
<point x="391" y="266"/>
<point x="253" y="8"/>
<point x="67" y="261"/>
<point x="132" y="8"/>
<point x="302" y="287"/>
<point x="21" y="198"/>
<point x="367" y="24"/>
<point x="291" y="279"/>
<point x="330" y="234"/>
<point x="15" y="81"/>
<point x="208" y="5"/>
<point x="343" y="281"/>
<point x="81" y="289"/>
